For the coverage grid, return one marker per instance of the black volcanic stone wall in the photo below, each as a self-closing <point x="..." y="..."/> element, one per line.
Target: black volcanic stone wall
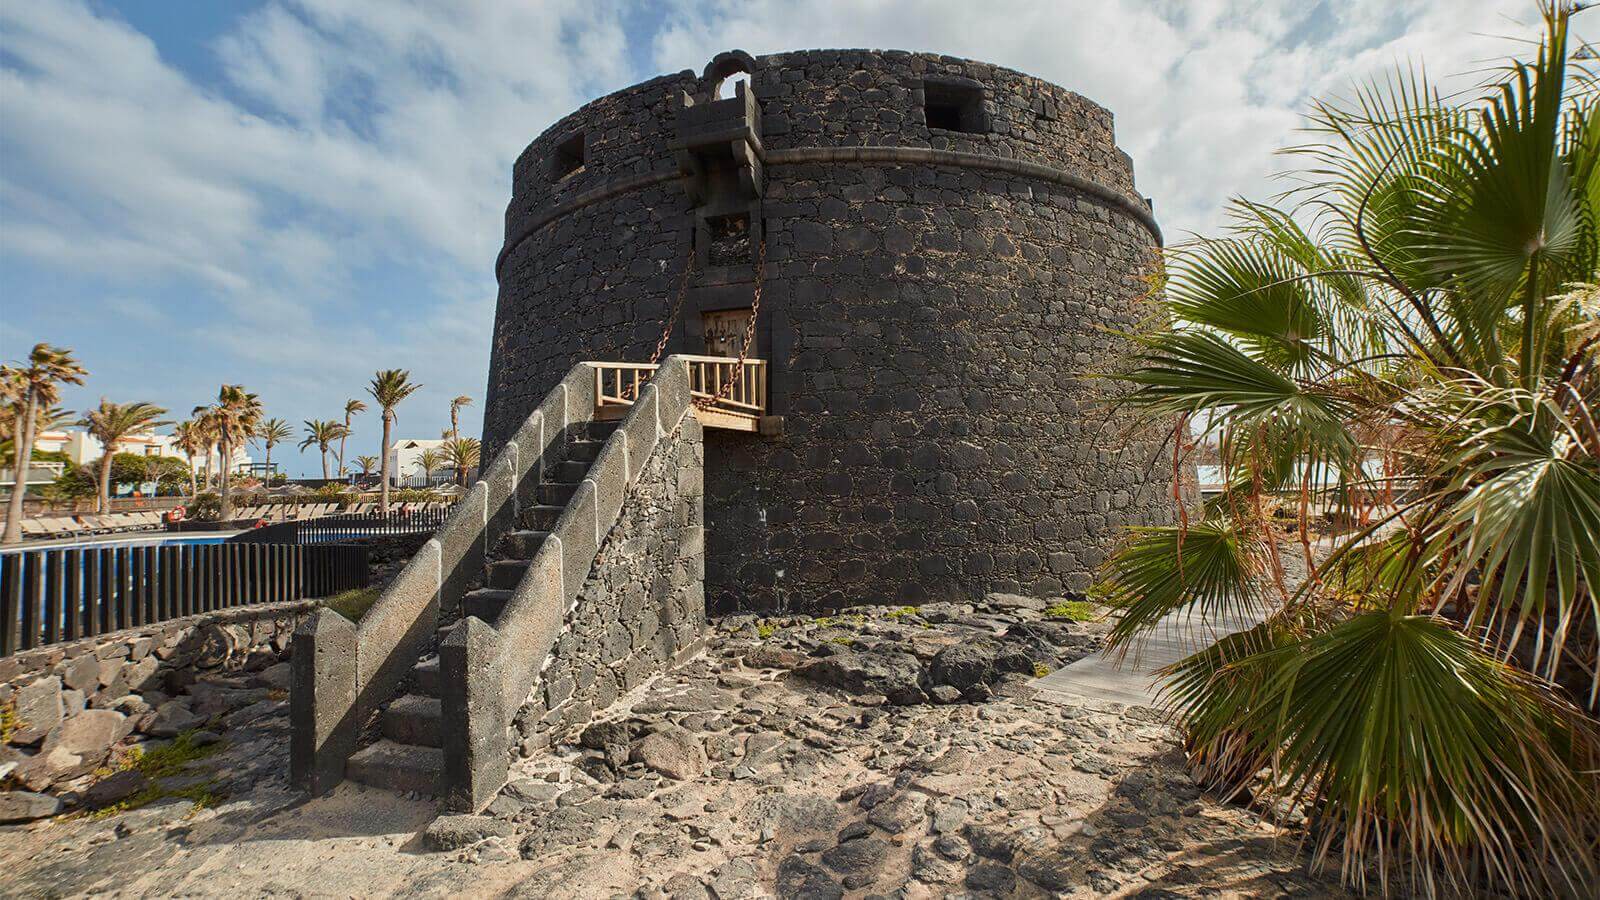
<point x="930" y="329"/>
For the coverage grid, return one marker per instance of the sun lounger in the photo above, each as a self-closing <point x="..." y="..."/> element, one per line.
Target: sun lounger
<point x="33" y="528"/>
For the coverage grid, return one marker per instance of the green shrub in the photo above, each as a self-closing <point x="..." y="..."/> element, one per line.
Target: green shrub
<point x="353" y="604"/>
<point x="1076" y="610"/>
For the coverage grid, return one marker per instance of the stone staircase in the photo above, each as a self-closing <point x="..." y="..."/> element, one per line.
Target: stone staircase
<point x="407" y="757"/>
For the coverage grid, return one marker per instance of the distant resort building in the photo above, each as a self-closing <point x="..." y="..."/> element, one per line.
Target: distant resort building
<point x="82" y="448"/>
<point x="405" y="463"/>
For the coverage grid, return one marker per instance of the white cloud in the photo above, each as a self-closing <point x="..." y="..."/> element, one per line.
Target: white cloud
<point x="349" y="139"/>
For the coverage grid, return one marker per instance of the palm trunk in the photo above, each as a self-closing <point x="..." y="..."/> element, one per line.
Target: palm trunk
<point x="103" y="499"/>
<point x="224" y="453"/>
<point x="383" y="489"/>
<point x="324" y="464"/>
<point x="341" y="446"/>
<point x="22" y="456"/>
<point x="269" y="464"/>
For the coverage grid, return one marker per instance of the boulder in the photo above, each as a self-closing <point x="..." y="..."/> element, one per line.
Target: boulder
<point x="455" y="832"/>
<point x="798" y="878"/>
<point x="274" y="677"/>
<point x="39" y="708"/>
<point x="672" y="751"/>
<point x="82" y="673"/>
<point x="966" y="665"/>
<point x="81" y="743"/>
<point x="864" y="854"/>
<point x="1014" y="602"/>
<point x="114" y="788"/>
<point x="172" y="719"/>
<point x="220" y="643"/>
<point x="895" y="675"/>
<point x="73" y="702"/>
<point x="25" y="806"/>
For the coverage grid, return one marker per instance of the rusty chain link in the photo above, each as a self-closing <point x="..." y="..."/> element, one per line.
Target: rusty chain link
<point x="749" y="334"/>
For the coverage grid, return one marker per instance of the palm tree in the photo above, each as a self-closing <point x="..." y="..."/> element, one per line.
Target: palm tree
<point x="389" y="387"/>
<point x="351" y="407"/>
<point x="322" y="432"/>
<point x="188" y="437"/>
<point x="463" y="455"/>
<point x="430" y="459"/>
<point x="232" y="420"/>
<point x="367" y="464"/>
<point x="1427" y="693"/>
<point x="271" y="433"/>
<point x="455" y="409"/>
<point x="111" y="423"/>
<point x="32" y="386"/>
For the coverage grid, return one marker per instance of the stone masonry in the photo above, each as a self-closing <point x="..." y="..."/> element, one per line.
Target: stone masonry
<point x="951" y="250"/>
<point x="640" y="611"/>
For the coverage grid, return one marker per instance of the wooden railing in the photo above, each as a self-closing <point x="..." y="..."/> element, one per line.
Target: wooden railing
<point x="727" y="393"/>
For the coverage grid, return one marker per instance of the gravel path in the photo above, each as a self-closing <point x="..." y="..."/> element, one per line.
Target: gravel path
<point x="776" y="764"/>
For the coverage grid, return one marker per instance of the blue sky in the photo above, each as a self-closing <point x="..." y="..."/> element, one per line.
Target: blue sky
<point x="291" y="194"/>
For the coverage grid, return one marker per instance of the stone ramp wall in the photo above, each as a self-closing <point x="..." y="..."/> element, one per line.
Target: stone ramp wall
<point x="628" y="549"/>
<point x="642" y="608"/>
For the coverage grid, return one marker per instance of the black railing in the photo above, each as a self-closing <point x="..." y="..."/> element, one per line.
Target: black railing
<point x="47" y="596"/>
<point x="344" y="527"/>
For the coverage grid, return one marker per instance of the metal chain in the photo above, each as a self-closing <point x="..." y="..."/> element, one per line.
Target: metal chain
<point x="749" y="334"/>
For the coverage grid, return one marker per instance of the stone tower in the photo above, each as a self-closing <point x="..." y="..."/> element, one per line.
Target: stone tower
<point x="946" y="249"/>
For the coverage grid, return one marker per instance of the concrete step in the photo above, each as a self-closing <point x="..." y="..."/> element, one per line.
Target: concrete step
<point x="522" y="544"/>
<point x="425" y="676"/>
<point x="600" y="430"/>
<point x="413" y="720"/>
<point x="397" y="767"/>
<point x="542" y="517"/>
<point x="584" y="451"/>
<point x="505" y="574"/>
<point x="556" y="494"/>
<point x="486" y="603"/>
<point x="569" y="472"/>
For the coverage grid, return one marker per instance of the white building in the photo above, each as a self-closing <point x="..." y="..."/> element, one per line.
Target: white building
<point x="82" y="448"/>
<point x="405" y="462"/>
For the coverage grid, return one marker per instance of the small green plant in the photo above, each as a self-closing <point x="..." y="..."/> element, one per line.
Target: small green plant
<point x="1076" y="610"/>
<point x="843" y="641"/>
<point x="354" y="603"/>
<point x="162" y="762"/>
<point x="904" y="611"/>
<point x="822" y="621"/>
<point x="1040" y="670"/>
<point x="10" y="722"/>
<point x="765" y="630"/>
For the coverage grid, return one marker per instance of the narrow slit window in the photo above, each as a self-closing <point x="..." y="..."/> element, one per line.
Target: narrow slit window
<point x="730" y="239"/>
<point x="954" y="107"/>
<point x="568" y="157"/>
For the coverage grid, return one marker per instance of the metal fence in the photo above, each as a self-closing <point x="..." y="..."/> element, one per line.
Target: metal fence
<point x="344" y="527"/>
<point x="51" y="595"/>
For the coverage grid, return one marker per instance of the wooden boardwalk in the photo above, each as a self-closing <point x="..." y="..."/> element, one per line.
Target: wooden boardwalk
<point x="1131" y="680"/>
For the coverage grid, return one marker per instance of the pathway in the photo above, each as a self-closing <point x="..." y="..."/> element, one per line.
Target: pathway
<point x="1132" y="680"/>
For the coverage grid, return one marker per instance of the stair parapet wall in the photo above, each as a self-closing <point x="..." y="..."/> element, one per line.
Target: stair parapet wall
<point x="614" y="594"/>
<point x="326" y="718"/>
